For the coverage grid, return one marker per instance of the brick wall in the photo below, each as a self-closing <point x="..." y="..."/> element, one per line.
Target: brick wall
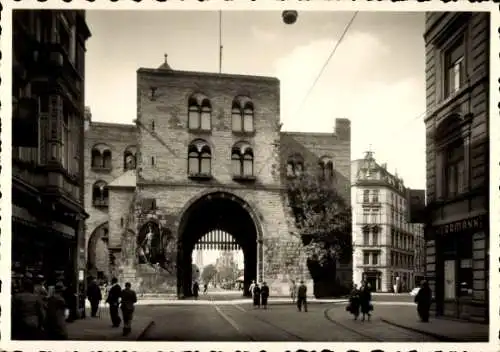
<point x="166" y="179"/>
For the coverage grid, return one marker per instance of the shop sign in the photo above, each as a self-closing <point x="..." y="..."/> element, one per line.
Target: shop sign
<point x="475" y="223"/>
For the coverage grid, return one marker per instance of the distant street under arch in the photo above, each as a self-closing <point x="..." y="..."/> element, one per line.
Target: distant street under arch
<point x="217" y="222"/>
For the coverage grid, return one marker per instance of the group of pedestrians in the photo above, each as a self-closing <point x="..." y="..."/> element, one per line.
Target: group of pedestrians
<point x="38" y="314"/>
<point x="260" y="294"/>
<point x="117" y="299"/>
<point x="360" y="301"/>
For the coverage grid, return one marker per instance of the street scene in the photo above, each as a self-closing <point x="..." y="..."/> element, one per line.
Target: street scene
<point x="194" y="186"/>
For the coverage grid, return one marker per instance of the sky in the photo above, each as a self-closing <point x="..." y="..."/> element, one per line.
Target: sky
<point x="376" y="78"/>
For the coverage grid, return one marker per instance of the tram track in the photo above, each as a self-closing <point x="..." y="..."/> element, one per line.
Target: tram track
<point x="345" y="327"/>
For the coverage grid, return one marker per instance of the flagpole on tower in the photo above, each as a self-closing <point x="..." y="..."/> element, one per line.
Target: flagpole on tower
<point x="220" y="41"/>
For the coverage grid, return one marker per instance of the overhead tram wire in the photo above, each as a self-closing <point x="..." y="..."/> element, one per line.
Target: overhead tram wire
<point x="332" y="53"/>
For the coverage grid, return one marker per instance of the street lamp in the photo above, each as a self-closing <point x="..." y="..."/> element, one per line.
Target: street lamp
<point x="289" y="16"/>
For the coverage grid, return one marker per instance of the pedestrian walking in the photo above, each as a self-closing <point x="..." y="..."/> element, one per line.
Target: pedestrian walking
<point x="69" y="296"/>
<point x="423" y="299"/>
<point x="264" y="294"/>
<point x="365" y="298"/>
<point x="205" y="288"/>
<point x="128" y="300"/>
<point x="302" y="297"/>
<point x="57" y="314"/>
<point x="94" y="296"/>
<point x="354" y="305"/>
<point x="256" y="296"/>
<point x="293" y="290"/>
<point x="196" y="289"/>
<point x="27" y="313"/>
<point x="252" y="286"/>
<point x="113" y="300"/>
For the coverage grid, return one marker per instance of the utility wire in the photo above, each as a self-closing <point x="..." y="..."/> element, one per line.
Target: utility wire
<point x="332" y="53"/>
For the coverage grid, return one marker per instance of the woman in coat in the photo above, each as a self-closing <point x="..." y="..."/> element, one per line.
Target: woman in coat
<point x="256" y="296"/>
<point x="424" y="300"/>
<point x="264" y="293"/>
<point x="354" y="303"/>
<point x="365" y="298"/>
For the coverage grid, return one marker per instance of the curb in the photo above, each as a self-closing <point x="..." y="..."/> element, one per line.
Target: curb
<point x="436" y="336"/>
<point x="141" y="335"/>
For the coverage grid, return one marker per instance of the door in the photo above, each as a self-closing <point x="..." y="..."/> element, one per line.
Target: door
<point x="449" y="280"/>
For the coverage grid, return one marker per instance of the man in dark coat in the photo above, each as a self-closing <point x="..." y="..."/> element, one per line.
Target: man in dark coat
<point x="424" y="300"/>
<point x="264" y="294"/>
<point x="113" y="300"/>
<point x="128" y="299"/>
<point x="94" y="296"/>
<point x="55" y="323"/>
<point x="354" y="304"/>
<point x="27" y="313"/>
<point x="302" y="297"/>
<point x="196" y="289"/>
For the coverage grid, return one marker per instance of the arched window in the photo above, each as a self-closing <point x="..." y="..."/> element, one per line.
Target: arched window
<point x="206" y="115"/>
<point x="101" y="157"/>
<point x="236" y="117"/>
<point x="100" y="194"/>
<point x="199" y="158"/>
<point x="129" y="159"/>
<point x="96" y="158"/>
<point x="242" y="115"/>
<point x="242" y="160"/>
<point x="193" y="114"/>
<point x="248" y="117"/>
<point x="295" y="165"/>
<point x="326" y="168"/>
<point x="106" y="159"/>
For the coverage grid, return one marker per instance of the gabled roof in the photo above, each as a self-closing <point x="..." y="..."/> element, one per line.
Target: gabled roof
<point x="126" y="180"/>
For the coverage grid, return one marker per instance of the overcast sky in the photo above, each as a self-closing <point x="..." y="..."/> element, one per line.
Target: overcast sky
<point x="376" y="78"/>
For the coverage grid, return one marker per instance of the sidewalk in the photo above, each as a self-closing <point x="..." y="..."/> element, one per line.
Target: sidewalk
<point x="208" y="301"/>
<point x="445" y="330"/>
<point x="99" y="329"/>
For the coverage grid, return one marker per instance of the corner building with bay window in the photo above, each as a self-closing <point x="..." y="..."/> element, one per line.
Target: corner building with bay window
<point x="386" y="244"/>
<point x="48" y="75"/>
<point x="208" y="168"/>
<point x="457" y="137"/>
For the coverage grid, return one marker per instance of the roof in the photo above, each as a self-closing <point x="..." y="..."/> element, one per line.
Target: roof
<point x="126" y="180"/>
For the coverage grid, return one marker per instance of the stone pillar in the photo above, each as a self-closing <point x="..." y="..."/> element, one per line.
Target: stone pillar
<point x="466" y="175"/>
<point x="439" y="173"/>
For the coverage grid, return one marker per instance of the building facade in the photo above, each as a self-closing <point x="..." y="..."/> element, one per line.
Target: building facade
<point x="384" y="240"/>
<point x="210" y="158"/>
<point x="457" y="137"/>
<point x="47" y="144"/>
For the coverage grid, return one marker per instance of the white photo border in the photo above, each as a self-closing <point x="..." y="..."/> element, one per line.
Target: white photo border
<point x="278" y="5"/>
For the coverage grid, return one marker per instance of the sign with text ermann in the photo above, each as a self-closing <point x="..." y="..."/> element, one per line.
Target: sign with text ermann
<point x="475" y="223"/>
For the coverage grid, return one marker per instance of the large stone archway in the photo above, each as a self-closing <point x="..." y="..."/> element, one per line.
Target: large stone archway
<point x="218" y="211"/>
<point x="97" y="251"/>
